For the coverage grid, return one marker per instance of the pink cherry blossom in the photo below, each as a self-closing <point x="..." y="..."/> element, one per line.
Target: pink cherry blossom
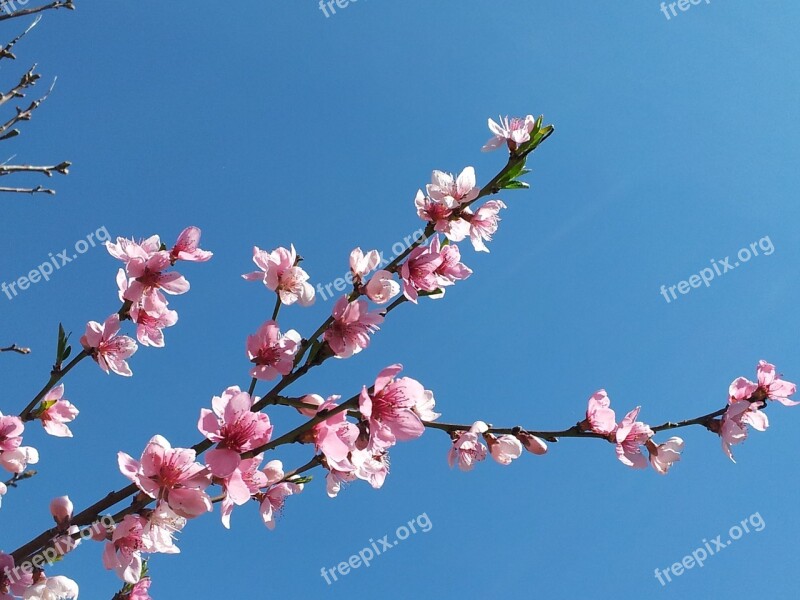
<point x="511" y="131"/>
<point x="532" y="443"/>
<point x="630" y="435"/>
<point x="140" y="590"/>
<point x="504" y="448"/>
<point x="150" y="323"/>
<point x="662" y="456"/>
<point x="280" y="273"/>
<point x="769" y="385"/>
<point x="17" y="460"/>
<point x="483" y="224"/>
<point x="57" y="412"/>
<point x="150" y="280"/>
<point x="12" y="583"/>
<point x="453" y="191"/>
<point x="335" y="436"/>
<point x="418" y="272"/>
<point x="600" y="418"/>
<point x="170" y="474"/>
<point x="451" y="269"/>
<point x="123" y="554"/>
<point x="272" y="353"/>
<point x="52" y="588"/>
<point x="13" y="456"/>
<point x="424" y="407"/>
<point x="126" y="250"/>
<point x="382" y="287"/>
<point x="389" y="408"/>
<point x="362" y="264"/>
<point x="776" y="388"/>
<point x="371" y="466"/>
<point x="240" y="486"/>
<point x="275" y="497"/>
<point x="234" y="427"/>
<point x="11" y="428"/>
<point x="187" y="247"/>
<point x="61" y="510"/>
<point x="107" y="348"/>
<point x="160" y="527"/>
<point x="732" y="428"/>
<point x="467" y="448"/>
<point x="352" y="325"/>
<point x="367" y="465"/>
<point x="3" y="491"/>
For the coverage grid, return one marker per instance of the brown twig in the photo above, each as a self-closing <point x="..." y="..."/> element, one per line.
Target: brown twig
<point x="6" y="52"/>
<point x="62" y="168"/>
<point x="20" y="477"/>
<point x="68" y="4"/>
<point x="17" y="349"/>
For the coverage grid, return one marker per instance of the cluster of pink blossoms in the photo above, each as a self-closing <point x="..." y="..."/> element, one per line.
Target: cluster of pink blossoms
<point x="745" y="401"/>
<point x="142" y="285"/>
<point x="446" y="207"/>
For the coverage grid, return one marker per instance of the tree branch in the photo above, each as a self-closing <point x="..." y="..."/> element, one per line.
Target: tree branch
<point x="5" y="14"/>
<point x="6" y="51"/>
<point x="17" y="349"/>
<point x="61" y="168"/>
<point x="20" y="477"/>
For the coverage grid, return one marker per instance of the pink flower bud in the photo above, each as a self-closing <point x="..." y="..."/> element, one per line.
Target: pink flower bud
<point x="532" y="443"/>
<point x="61" y="509"/>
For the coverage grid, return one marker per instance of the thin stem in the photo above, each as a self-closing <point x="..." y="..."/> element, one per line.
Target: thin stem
<point x="277" y="308"/>
<point x="69" y="4"/>
<point x="20" y="477"/>
<point x="55" y="377"/>
<point x="575" y="431"/>
<point x="15" y="348"/>
<point x="294" y="435"/>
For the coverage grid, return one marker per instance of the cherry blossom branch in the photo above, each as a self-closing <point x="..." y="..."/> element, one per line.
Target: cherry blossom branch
<point x="68" y="4"/>
<point x="15" y="348"/>
<point x="56" y="375"/>
<point x="292" y="436"/>
<point x="572" y="432"/>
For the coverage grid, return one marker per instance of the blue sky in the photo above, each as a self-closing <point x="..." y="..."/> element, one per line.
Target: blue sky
<point x="268" y="124"/>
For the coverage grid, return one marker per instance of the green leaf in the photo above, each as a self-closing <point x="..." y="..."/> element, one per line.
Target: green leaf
<point x="516" y="185"/>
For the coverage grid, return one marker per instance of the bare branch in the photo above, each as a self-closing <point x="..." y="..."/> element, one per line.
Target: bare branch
<point x="62" y="168"/>
<point x="22" y="115"/>
<point x="37" y="190"/>
<point x="13" y="14"/>
<point x="27" y="80"/>
<point x="17" y="349"/>
<point x="6" y="51"/>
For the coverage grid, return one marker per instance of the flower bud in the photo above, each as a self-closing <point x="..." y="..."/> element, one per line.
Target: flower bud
<point x="532" y="443"/>
<point x="61" y="509"/>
